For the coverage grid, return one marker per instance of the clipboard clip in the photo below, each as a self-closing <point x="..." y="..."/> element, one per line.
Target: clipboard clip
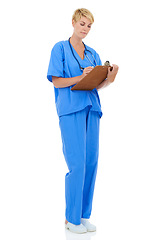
<point x="107" y="63"/>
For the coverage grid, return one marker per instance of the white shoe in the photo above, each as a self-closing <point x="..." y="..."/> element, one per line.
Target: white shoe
<point x="90" y="227"/>
<point x="76" y="228"/>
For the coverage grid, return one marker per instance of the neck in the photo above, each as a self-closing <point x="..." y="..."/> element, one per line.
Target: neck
<point x="74" y="40"/>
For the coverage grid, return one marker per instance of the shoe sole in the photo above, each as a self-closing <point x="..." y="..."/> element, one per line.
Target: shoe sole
<point x="73" y="231"/>
<point x="91" y="230"/>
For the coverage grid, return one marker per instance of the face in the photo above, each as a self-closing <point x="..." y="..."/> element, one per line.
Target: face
<point x="82" y="27"/>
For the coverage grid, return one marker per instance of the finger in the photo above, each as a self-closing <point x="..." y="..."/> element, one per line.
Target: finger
<point x="89" y="67"/>
<point x="110" y="69"/>
<point x="115" y="66"/>
<point x="88" y="70"/>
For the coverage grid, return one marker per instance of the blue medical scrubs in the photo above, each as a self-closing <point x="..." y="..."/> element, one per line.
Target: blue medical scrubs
<point x="79" y="116"/>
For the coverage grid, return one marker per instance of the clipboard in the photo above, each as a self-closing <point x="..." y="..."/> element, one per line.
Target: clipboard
<point x="92" y="79"/>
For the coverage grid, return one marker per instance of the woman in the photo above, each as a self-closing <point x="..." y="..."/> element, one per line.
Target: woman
<point x="79" y="116"/>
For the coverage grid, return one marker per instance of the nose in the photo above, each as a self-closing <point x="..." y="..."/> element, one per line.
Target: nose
<point x="85" y="29"/>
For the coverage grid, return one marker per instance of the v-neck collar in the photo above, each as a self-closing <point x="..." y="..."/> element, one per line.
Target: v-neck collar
<point x="77" y="53"/>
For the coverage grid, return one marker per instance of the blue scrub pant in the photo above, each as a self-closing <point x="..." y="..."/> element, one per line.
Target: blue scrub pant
<point x="80" y="141"/>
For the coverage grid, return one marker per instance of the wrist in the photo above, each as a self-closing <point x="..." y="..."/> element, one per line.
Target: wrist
<point x="111" y="79"/>
<point x="81" y="77"/>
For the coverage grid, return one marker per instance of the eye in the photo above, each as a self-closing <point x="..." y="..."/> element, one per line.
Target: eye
<point x="81" y="24"/>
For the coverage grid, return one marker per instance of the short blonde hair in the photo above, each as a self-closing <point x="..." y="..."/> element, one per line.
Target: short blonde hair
<point x="82" y="12"/>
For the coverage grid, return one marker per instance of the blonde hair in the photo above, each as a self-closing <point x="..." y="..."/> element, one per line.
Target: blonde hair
<point x="82" y="12"/>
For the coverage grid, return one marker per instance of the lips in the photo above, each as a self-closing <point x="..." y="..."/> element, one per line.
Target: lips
<point x="84" y="33"/>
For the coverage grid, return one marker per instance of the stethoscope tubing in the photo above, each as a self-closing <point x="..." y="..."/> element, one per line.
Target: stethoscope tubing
<point x="84" y="53"/>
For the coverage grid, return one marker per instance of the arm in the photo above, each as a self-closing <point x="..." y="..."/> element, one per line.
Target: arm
<point x="110" y="77"/>
<point x="103" y="84"/>
<point x="66" y="82"/>
<point x="59" y="82"/>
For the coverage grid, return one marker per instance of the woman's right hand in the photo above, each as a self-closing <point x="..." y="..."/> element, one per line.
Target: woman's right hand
<point x="86" y="71"/>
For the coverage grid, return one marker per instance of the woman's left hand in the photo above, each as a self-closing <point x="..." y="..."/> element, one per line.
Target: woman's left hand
<point x="112" y="74"/>
<point x="110" y="77"/>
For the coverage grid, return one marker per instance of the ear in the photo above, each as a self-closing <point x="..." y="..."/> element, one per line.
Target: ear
<point x="73" y="23"/>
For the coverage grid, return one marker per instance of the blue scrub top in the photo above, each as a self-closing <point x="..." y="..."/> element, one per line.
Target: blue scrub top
<point x="63" y="64"/>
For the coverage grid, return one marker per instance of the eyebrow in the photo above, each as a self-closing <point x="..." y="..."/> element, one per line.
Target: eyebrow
<point x="85" y="22"/>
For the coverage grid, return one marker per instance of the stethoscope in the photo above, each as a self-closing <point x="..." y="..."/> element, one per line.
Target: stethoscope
<point x="85" y="49"/>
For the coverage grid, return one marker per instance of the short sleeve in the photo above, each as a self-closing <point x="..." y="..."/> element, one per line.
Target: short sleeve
<point x="98" y="60"/>
<point x="55" y="67"/>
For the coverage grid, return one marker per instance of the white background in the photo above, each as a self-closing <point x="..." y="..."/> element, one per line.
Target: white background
<point x="32" y="166"/>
